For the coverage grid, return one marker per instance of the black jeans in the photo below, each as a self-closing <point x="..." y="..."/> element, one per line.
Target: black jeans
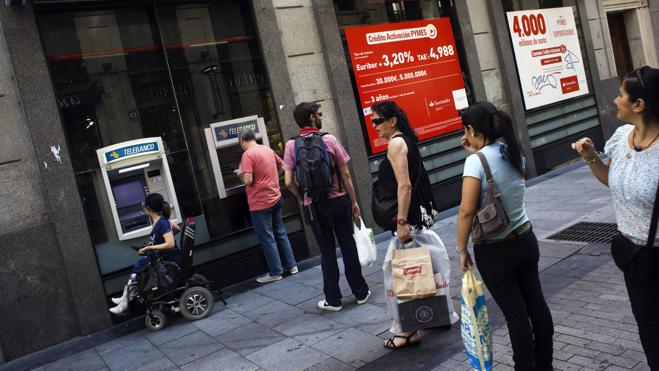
<point x="334" y="217"/>
<point x="644" y="297"/>
<point x="510" y="271"/>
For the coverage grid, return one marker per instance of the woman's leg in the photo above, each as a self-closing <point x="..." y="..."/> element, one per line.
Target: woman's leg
<point x="528" y="280"/>
<point x="644" y="299"/>
<point x="496" y="264"/>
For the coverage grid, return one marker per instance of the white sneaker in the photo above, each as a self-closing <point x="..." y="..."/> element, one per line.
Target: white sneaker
<point x="268" y="278"/>
<point x="363" y="301"/>
<point x="120" y="308"/>
<point x="123" y="296"/>
<point x="322" y="305"/>
<point x="293" y="270"/>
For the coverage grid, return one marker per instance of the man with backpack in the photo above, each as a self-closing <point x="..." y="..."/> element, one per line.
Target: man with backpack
<point x="316" y="172"/>
<point x="259" y="171"/>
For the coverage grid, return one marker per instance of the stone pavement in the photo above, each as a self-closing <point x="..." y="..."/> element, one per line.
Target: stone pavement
<point x="278" y="327"/>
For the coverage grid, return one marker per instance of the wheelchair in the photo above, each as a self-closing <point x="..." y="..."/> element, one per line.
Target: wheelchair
<point x="187" y="293"/>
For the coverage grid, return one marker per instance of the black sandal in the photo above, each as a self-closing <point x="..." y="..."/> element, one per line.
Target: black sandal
<point x="391" y="343"/>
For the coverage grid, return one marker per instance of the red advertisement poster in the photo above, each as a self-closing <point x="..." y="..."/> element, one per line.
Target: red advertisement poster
<point x="414" y="64"/>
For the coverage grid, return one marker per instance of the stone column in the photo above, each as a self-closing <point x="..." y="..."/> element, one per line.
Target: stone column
<point x="52" y="285"/>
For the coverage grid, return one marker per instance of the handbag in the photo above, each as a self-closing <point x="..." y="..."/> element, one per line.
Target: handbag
<point x="635" y="260"/>
<point x="365" y="241"/>
<point x="491" y="219"/>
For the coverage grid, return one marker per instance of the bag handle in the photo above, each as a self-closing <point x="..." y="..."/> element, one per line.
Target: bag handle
<point x="653" y="223"/>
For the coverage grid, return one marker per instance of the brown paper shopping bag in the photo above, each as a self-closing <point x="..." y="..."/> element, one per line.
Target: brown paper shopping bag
<point x="412" y="276"/>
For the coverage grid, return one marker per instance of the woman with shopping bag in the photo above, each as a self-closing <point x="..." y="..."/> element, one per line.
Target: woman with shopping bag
<point x="402" y="197"/>
<point x="505" y="247"/>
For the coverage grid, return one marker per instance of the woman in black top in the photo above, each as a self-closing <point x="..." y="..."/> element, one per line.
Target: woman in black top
<point x="404" y="184"/>
<point x="401" y="175"/>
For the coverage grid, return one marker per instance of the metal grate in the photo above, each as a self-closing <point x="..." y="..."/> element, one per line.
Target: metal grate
<point x="587" y="232"/>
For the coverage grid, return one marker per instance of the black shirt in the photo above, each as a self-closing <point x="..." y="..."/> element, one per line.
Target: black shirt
<point x="421" y="189"/>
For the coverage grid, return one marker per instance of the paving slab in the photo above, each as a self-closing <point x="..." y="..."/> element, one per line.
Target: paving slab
<point x="222" y="322"/>
<point x="190" y="347"/>
<point x="353" y="347"/>
<point x="310" y="328"/>
<point x="250" y="338"/>
<point x="135" y="354"/>
<point x="331" y="364"/>
<point x="171" y="332"/>
<point x="287" y="355"/>
<point x="87" y="360"/>
<point x="289" y="292"/>
<point x="247" y="301"/>
<point x="274" y="314"/>
<point x="224" y="359"/>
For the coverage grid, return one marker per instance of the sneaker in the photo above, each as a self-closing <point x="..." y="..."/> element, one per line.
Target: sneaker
<point x="293" y="270"/>
<point x="322" y="305"/>
<point x="363" y="301"/>
<point x="268" y="278"/>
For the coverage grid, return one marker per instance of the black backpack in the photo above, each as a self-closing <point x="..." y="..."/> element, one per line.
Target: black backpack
<point x="313" y="170"/>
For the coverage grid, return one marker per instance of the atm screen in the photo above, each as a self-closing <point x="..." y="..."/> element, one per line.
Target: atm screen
<point x="130" y="192"/>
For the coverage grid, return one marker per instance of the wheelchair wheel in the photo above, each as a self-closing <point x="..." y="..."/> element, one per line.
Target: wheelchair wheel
<point x="155" y="320"/>
<point x="196" y="303"/>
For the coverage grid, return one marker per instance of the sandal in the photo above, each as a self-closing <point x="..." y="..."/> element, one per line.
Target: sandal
<point x="391" y="343"/>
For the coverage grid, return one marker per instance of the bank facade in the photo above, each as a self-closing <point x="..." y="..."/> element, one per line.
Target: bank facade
<point x="82" y="81"/>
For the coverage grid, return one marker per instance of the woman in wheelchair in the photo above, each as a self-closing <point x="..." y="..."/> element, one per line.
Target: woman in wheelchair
<point x="162" y="242"/>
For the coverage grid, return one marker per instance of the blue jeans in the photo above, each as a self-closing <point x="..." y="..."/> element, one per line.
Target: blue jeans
<point x="269" y="228"/>
<point x="334" y="217"/>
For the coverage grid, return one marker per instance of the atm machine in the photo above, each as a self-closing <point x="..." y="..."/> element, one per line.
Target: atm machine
<point x="131" y="171"/>
<point x="225" y="152"/>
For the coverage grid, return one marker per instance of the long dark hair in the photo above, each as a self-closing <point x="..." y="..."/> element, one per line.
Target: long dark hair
<point x="647" y="89"/>
<point x="486" y="119"/>
<point x="389" y="109"/>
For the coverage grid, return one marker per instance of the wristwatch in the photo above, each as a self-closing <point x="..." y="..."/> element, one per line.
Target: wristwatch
<point x="401" y="221"/>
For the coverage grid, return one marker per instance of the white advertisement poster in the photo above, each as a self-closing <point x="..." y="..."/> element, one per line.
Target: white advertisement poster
<point x="549" y="63"/>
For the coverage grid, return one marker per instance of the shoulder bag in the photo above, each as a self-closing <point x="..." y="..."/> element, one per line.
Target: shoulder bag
<point x="491" y="219"/>
<point x="635" y="260"/>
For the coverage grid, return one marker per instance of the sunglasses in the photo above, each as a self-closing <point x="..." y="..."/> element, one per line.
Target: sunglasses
<point x="378" y="121"/>
<point x="639" y="76"/>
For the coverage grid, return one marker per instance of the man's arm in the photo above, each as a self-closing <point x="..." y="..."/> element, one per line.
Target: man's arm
<point x="291" y="186"/>
<point x="246" y="178"/>
<point x="347" y="183"/>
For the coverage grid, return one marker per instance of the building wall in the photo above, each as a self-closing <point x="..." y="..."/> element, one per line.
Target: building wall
<point x="51" y="284"/>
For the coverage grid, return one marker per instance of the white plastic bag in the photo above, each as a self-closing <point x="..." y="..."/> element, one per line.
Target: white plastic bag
<point x="475" y="327"/>
<point x="365" y="240"/>
<point x="441" y="269"/>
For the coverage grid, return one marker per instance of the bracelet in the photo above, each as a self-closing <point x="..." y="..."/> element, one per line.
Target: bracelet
<point x="591" y="160"/>
<point x="462" y="251"/>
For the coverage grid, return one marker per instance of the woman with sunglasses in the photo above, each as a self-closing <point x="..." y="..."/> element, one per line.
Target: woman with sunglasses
<point x="507" y="261"/>
<point x="402" y="166"/>
<point x="161" y="240"/>
<point x="632" y="173"/>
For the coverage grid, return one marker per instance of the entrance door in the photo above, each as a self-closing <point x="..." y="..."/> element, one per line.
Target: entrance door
<point x="620" y="43"/>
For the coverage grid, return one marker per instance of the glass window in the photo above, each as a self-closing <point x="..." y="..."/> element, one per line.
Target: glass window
<point x="164" y="69"/>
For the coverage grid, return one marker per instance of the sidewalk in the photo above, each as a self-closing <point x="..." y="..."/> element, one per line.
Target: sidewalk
<point x="278" y="327"/>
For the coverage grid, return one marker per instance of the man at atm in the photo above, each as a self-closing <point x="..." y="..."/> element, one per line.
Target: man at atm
<point x="259" y="170"/>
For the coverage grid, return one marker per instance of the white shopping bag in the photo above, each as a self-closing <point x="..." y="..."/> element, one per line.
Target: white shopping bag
<point x="476" y="335"/>
<point x="365" y="240"/>
<point x="441" y="271"/>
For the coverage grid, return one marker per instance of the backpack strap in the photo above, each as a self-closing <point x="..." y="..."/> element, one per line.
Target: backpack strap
<point x="653" y="221"/>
